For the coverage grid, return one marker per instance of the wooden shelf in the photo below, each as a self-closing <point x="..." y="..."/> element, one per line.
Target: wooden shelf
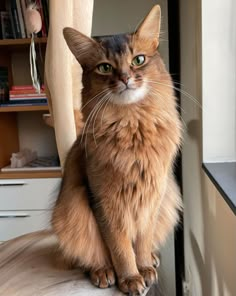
<point x="31" y="174"/>
<point x="25" y="41"/>
<point x="12" y="45"/>
<point x="23" y="108"/>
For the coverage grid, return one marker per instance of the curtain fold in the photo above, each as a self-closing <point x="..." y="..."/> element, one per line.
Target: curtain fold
<point x="62" y="71"/>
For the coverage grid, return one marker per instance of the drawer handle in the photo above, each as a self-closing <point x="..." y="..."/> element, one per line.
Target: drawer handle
<point x="12" y="183"/>
<point x="13" y="215"/>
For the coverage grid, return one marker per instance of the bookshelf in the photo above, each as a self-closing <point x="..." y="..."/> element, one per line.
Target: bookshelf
<point x="23" y="126"/>
<point x="20" y="41"/>
<point x="23" y="108"/>
<point x="31" y="174"/>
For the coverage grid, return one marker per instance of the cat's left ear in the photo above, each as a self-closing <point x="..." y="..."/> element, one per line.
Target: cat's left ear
<point x="80" y="45"/>
<point x="150" y="26"/>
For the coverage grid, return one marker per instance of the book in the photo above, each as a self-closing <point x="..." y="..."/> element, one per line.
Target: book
<point x="26" y="98"/>
<point x="46" y="14"/>
<point x="0" y="28"/>
<point x="15" y="18"/>
<point x="23" y="7"/>
<point x="24" y="87"/>
<point x="6" y="28"/>
<point x="4" y="104"/>
<point x="32" y="98"/>
<point x="4" y="89"/>
<point x="20" y="17"/>
<point x="25" y="91"/>
<point x="8" y="8"/>
<point x="25" y="102"/>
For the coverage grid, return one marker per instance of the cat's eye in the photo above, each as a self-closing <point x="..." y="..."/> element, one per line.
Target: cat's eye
<point x="138" y="60"/>
<point x="105" y="68"/>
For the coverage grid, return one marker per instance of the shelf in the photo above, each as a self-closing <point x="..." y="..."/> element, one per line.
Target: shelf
<point x="23" y="108"/>
<point x="25" y="41"/>
<point x="31" y="174"/>
<point x="13" y="45"/>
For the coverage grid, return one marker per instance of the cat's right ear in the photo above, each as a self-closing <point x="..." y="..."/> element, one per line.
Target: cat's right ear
<point x="79" y="44"/>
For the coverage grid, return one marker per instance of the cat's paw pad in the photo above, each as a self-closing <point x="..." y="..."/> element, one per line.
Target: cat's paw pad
<point x="103" y="277"/>
<point x="149" y="275"/>
<point x="133" y="285"/>
<point x="155" y="260"/>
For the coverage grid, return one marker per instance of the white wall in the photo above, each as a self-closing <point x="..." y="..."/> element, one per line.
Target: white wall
<point x="35" y="134"/>
<point x="219" y="80"/>
<point x="209" y="224"/>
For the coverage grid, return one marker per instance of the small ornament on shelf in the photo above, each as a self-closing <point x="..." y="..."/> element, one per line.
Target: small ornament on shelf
<point x="28" y="160"/>
<point x="33" y="25"/>
<point x="20" y="159"/>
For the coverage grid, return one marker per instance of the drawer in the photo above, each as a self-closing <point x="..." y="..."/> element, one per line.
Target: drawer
<point x="16" y="223"/>
<point x="28" y="194"/>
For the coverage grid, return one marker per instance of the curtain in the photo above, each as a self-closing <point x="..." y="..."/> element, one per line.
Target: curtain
<point x="62" y="71"/>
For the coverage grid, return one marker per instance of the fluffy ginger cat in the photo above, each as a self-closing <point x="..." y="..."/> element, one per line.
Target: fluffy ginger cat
<point x="118" y="199"/>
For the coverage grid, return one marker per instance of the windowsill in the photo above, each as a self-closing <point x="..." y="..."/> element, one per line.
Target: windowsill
<point x="223" y="175"/>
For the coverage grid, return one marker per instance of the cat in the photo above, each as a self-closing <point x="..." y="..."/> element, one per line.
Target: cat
<point x="118" y="199"/>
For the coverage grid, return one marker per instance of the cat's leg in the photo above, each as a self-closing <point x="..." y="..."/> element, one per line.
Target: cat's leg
<point x="123" y="257"/>
<point x="79" y="237"/>
<point x="144" y="257"/>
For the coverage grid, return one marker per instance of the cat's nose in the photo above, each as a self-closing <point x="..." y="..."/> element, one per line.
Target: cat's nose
<point x="124" y="77"/>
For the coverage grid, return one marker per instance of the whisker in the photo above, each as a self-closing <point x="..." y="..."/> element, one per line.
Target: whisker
<point x="86" y="131"/>
<point x="158" y="93"/>
<point x="186" y="94"/>
<point x="97" y="95"/>
<point x="167" y="96"/>
<point x="87" y="121"/>
<point x="105" y="108"/>
<point x="94" y="121"/>
<point x="91" y="118"/>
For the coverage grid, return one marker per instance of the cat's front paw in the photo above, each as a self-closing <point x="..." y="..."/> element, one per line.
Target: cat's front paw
<point x="149" y="275"/>
<point x="133" y="285"/>
<point x="103" y="277"/>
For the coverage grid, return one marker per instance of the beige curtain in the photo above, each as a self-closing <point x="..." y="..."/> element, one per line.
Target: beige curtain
<point x="62" y="71"/>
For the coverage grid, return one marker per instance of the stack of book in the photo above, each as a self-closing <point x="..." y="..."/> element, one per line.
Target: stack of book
<point x="25" y="95"/>
<point x="13" y="18"/>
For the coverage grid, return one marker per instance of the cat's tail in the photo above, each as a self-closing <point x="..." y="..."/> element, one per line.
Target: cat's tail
<point x="75" y="226"/>
<point x="168" y="216"/>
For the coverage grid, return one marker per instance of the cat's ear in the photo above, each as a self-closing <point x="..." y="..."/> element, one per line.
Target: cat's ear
<point x="151" y="25"/>
<point x="80" y="45"/>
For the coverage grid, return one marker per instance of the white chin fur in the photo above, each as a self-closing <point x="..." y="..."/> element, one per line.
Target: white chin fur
<point x="130" y="96"/>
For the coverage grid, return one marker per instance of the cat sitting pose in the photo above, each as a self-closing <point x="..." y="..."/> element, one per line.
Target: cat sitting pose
<point x="118" y="199"/>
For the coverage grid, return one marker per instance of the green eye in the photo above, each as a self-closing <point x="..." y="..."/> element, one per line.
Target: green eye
<point x="105" y="68"/>
<point x="138" y="60"/>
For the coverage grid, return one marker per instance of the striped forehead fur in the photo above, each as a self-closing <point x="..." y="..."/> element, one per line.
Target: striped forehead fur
<point x="114" y="44"/>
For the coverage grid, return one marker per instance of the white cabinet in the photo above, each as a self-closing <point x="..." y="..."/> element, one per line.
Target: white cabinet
<point x="25" y="205"/>
<point x="15" y="223"/>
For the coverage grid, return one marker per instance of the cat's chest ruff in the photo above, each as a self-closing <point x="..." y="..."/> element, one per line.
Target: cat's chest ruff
<point x="127" y="143"/>
<point x="136" y="134"/>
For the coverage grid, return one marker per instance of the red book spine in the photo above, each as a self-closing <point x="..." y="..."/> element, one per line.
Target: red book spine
<point x="20" y="97"/>
<point x="24" y="91"/>
<point x="24" y="87"/>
